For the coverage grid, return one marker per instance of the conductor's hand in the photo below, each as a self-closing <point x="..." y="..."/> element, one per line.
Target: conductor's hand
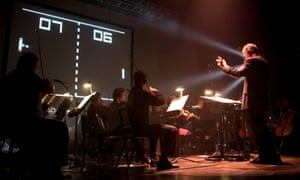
<point x="221" y="62"/>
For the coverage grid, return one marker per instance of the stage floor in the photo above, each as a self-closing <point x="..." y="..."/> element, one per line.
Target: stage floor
<point x="192" y="167"/>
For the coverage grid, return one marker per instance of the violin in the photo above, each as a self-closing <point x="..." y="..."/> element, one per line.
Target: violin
<point x="49" y="89"/>
<point x="188" y="115"/>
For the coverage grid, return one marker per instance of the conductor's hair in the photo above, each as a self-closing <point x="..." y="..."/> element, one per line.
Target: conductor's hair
<point x="250" y="48"/>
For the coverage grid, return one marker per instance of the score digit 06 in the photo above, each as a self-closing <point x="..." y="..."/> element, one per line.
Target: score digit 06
<point x="102" y="36"/>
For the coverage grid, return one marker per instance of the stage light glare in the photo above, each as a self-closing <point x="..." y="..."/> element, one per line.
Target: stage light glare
<point x="208" y="92"/>
<point x="180" y="90"/>
<point x="67" y="94"/>
<point x="218" y="94"/>
<point x="88" y="85"/>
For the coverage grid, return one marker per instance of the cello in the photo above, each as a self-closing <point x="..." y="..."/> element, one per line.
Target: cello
<point x="285" y="127"/>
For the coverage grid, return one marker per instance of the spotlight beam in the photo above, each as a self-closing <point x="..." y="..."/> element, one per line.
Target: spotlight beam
<point x="174" y="27"/>
<point x="199" y="79"/>
<point x="232" y="86"/>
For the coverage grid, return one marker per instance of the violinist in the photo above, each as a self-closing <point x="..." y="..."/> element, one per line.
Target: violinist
<point x="204" y="129"/>
<point x="186" y="121"/>
<point x="43" y="142"/>
<point x="140" y="98"/>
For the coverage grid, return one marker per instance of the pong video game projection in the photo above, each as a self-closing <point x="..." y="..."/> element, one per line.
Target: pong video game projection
<point x="73" y="49"/>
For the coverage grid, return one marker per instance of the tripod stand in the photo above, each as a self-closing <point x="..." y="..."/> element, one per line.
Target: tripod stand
<point x="76" y="113"/>
<point x="224" y="107"/>
<point x="223" y="140"/>
<point x="182" y="133"/>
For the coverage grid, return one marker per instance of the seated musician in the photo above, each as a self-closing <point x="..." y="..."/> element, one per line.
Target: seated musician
<point x="96" y="109"/>
<point x="43" y="142"/>
<point x="185" y="121"/>
<point x="204" y="129"/>
<point x="140" y="98"/>
<point x="113" y="122"/>
<point x="95" y="134"/>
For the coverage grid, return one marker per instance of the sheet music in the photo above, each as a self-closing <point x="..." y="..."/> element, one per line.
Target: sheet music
<point x="178" y="103"/>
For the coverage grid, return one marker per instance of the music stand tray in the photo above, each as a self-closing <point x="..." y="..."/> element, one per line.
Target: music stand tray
<point x="220" y="153"/>
<point x="76" y="112"/>
<point x="80" y="107"/>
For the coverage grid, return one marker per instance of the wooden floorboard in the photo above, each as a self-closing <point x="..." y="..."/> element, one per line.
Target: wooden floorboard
<point x="191" y="167"/>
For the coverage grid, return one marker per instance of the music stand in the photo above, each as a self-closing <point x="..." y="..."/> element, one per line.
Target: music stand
<point x="57" y="105"/>
<point x="174" y="109"/>
<point x="81" y="106"/>
<point x="224" y="111"/>
<point x="75" y="112"/>
<point x="62" y="109"/>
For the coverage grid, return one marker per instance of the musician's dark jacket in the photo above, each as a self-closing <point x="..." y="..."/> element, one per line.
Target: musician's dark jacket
<point x="138" y="106"/>
<point x="21" y="92"/>
<point x="255" y="71"/>
<point x="255" y="102"/>
<point x="20" y="95"/>
<point x="113" y="123"/>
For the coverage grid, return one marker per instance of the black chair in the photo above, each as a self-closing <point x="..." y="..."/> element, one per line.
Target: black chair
<point x="8" y="148"/>
<point x="123" y="139"/>
<point x="10" y="155"/>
